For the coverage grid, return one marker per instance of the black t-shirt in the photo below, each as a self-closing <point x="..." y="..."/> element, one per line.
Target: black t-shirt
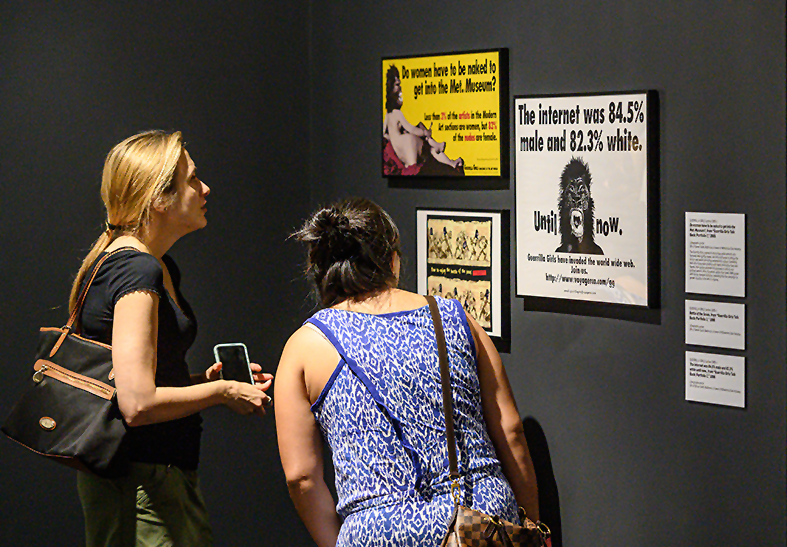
<point x="174" y="442"/>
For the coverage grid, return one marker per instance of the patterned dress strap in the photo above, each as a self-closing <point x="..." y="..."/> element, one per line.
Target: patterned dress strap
<point x="352" y="364"/>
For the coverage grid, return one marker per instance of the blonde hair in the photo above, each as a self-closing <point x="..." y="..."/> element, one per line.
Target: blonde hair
<point x="138" y="173"/>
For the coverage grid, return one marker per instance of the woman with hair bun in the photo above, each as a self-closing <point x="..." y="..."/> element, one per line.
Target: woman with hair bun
<point x="153" y="197"/>
<point x="363" y="375"/>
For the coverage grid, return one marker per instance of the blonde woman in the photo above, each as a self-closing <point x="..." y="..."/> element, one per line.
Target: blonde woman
<point x="153" y="197"/>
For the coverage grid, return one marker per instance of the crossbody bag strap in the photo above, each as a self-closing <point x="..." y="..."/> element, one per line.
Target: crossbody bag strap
<point x="445" y="380"/>
<point x="448" y="406"/>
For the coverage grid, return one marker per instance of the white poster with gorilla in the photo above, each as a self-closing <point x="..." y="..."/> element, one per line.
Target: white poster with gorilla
<point x="459" y="258"/>
<point x="582" y="197"/>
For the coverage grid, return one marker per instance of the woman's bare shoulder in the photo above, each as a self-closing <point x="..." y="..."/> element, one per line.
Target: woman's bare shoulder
<point x="305" y="345"/>
<point x="395" y="115"/>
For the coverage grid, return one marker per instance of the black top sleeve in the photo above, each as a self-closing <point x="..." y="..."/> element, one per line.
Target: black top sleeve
<point x="137" y="272"/>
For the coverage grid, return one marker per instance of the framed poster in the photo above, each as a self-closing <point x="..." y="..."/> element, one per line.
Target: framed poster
<point x="443" y="115"/>
<point x="586" y="197"/>
<point x="463" y="255"/>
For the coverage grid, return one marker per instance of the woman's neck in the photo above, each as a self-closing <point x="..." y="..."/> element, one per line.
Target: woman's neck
<point x="378" y="302"/>
<point x="387" y="301"/>
<point x="156" y="239"/>
<point x="153" y="246"/>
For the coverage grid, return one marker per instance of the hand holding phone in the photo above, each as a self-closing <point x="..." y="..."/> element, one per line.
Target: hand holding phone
<point x="234" y="359"/>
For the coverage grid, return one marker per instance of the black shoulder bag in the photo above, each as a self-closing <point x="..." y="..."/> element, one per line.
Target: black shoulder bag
<point x="69" y="412"/>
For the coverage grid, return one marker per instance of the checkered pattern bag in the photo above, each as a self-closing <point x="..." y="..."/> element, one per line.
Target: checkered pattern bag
<point x="471" y="528"/>
<point x="468" y="527"/>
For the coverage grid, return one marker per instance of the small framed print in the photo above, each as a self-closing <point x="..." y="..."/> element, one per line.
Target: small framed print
<point x="463" y="255"/>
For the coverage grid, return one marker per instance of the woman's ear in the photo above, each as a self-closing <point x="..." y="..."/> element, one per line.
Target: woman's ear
<point x="162" y="203"/>
<point x="159" y="206"/>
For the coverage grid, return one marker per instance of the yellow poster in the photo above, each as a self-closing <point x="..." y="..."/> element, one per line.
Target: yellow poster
<point x="442" y="114"/>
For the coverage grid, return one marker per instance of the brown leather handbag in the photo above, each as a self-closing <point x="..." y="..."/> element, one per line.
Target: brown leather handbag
<point x="467" y="526"/>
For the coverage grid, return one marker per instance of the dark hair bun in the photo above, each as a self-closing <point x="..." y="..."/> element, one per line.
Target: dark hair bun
<point x="351" y="247"/>
<point x="338" y="238"/>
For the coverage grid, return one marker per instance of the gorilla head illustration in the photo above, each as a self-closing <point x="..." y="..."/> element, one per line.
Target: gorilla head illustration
<point x="576" y="210"/>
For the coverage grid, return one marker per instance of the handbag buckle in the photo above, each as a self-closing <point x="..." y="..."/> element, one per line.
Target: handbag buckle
<point x="544" y="530"/>
<point x="455" y="491"/>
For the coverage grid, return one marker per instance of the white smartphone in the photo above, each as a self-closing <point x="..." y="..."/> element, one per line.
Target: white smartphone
<point x="234" y="359"/>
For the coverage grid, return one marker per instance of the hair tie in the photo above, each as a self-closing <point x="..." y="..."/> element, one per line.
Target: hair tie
<point x="114" y="227"/>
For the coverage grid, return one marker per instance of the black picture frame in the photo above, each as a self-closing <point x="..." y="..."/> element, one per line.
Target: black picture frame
<point x="620" y="155"/>
<point x="466" y="278"/>
<point x="458" y="107"/>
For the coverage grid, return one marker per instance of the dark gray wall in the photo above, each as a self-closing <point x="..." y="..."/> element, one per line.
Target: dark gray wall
<point x="634" y="463"/>
<point x="281" y="118"/>
<point x="76" y="79"/>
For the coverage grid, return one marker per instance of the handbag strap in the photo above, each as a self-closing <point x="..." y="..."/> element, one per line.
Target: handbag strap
<point x="81" y="298"/>
<point x="448" y="410"/>
<point x="445" y="380"/>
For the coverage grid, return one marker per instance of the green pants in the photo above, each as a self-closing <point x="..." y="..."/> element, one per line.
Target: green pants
<point x="154" y="506"/>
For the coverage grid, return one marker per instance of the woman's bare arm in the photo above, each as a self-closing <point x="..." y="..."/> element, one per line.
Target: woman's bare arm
<point x="134" y="338"/>
<point x="300" y="441"/>
<point x="503" y="422"/>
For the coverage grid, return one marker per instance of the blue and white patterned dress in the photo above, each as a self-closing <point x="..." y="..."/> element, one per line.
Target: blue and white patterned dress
<point x="381" y="413"/>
